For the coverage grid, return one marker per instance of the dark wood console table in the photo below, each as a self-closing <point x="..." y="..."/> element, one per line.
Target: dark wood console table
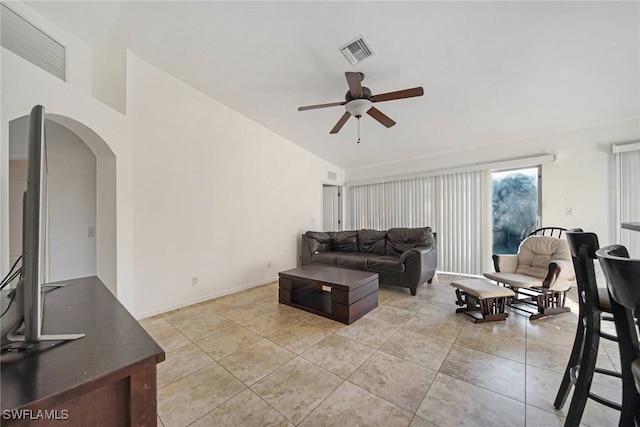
<point x="107" y="378"/>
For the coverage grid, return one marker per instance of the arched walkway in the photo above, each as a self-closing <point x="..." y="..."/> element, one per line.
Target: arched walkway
<point x="102" y="215"/>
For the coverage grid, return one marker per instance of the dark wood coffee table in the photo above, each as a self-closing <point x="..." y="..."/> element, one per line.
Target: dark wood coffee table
<point x="337" y="293"/>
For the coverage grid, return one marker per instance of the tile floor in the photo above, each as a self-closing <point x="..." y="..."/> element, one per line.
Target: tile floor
<point x="246" y="360"/>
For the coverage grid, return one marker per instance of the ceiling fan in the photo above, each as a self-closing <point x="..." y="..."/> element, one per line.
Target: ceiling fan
<point x="359" y="100"/>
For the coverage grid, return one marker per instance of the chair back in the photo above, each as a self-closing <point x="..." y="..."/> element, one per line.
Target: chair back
<point x="548" y="231"/>
<point x="623" y="280"/>
<point x="535" y="253"/>
<point x="623" y="275"/>
<point x="583" y="248"/>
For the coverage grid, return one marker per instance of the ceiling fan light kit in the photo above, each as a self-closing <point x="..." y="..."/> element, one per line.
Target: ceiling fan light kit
<point x="359" y="100"/>
<point x="358" y="107"/>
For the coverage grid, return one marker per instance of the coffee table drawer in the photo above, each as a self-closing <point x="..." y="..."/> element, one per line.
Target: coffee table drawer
<point x="346" y="297"/>
<point x="350" y="313"/>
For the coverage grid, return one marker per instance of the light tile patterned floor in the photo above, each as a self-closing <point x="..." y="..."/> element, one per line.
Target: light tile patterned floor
<point x="246" y="360"/>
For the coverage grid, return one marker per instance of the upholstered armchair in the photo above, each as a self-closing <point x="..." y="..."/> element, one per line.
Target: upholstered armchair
<point x="540" y="274"/>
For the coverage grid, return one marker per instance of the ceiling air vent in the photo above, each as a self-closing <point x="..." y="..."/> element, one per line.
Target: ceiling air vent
<point x="357" y="50"/>
<point x="26" y="40"/>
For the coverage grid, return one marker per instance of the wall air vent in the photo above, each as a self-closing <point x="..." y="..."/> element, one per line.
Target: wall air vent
<point x="332" y="175"/>
<point x="25" y="40"/>
<point x="357" y="50"/>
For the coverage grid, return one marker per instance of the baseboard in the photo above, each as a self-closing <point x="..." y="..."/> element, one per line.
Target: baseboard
<point x="204" y="298"/>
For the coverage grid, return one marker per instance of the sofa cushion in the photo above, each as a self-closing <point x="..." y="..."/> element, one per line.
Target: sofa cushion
<point x="325" y="258"/>
<point x="372" y="241"/>
<point x="355" y="260"/>
<point x="319" y="236"/>
<point x="400" y="240"/>
<point x="344" y="241"/>
<point x="388" y="263"/>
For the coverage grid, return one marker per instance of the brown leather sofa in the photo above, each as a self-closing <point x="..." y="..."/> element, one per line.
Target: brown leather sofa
<point x="404" y="257"/>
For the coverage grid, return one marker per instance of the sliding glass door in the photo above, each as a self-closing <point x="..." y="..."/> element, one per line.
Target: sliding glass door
<point x="516" y="207"/>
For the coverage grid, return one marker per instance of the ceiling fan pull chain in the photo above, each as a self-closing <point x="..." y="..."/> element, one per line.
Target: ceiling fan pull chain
<point x="358" y="129"/>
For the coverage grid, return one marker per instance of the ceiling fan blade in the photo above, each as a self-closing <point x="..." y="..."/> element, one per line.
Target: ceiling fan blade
<point x="354" y="81"/>
<point x="341" y="122"/>
<point x="381" y="117"/>
<point x="390" y="96"/>
<point x="313" y="107"/>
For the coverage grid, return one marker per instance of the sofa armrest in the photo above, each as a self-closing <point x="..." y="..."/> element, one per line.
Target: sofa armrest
<point x="420" y="263"/>
<point x="418" y="251"/>
<point x="311" y="243"/>
<point x="505" y="263"/>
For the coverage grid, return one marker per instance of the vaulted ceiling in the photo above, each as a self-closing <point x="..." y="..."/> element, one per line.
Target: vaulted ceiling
<point x="491" y="71"/>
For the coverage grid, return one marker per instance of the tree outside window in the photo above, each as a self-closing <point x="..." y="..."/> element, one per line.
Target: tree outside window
<point x="516" y="207"/>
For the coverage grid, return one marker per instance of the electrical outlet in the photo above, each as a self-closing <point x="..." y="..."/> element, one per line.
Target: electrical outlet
<point x="569" y="211"/>
<point x="194" y="281"/>
<point x="268" y="264"/>
<point x="92" y="231"/>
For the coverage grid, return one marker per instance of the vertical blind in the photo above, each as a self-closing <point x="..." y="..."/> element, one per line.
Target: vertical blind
<point x="392" y="204"/>
<point x="460" y="222"/>
<point x="628" y="203"/>
<point x="451" y="204"/>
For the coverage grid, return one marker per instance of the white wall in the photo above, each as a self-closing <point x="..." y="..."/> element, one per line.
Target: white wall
<point x="109" y="83"/>
<point x="580" y="178"/>
<point x="216" y="196"/>
<point x="23" y="86"/>
<point x="72" y="204"/>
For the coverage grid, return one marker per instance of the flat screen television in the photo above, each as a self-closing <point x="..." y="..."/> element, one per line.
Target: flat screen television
<point x="23" y="307"/>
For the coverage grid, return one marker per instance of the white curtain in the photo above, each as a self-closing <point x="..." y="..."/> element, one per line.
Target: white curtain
<point x="451" y="204"/>
<point x="628" y="202"/>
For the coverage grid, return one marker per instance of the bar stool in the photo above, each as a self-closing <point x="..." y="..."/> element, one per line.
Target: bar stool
<point x="623" y="280"/>
<point x="592" y="302"/>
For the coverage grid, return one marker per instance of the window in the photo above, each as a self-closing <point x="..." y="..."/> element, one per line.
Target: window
<point x="515" y="207"/>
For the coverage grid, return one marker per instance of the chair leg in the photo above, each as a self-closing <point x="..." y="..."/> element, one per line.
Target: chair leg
<point x="628" y="344"/>
<point x="549" y="303"/>
<point x="574" y="360"/>
<point x="585" y="375"/>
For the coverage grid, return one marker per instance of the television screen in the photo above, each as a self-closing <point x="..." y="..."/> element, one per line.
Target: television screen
<point x="35" y="227"/>
<point x="23" y="308"/>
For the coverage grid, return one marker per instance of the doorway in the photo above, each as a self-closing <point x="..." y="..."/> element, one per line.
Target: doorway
<point x="331" y="208"/>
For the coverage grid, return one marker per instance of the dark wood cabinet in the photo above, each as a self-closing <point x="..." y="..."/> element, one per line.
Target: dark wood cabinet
<point x="107" y="378"/>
